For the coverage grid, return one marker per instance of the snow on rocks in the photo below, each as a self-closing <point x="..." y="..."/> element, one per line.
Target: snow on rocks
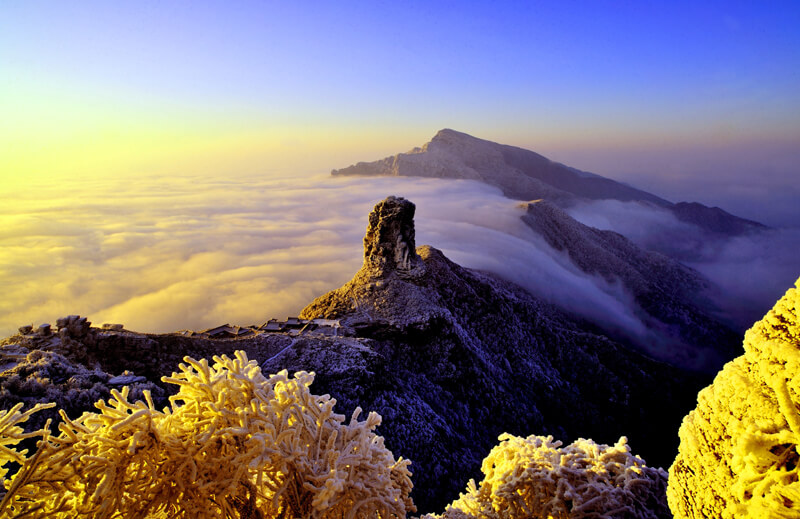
<point x="125" y="379"/>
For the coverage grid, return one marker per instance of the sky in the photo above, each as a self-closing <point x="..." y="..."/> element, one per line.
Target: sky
<point x="185" y="120"/>
<point x="692" y="100"/>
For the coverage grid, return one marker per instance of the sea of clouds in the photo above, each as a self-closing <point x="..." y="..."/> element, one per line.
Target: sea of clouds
<point x="752" y="271"/>
<point x="164" y="254"/>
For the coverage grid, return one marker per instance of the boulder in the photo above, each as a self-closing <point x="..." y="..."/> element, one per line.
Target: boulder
<point x="43" y="330"/>
<point x="25" y="330"/>
<point x="73" y="326"/>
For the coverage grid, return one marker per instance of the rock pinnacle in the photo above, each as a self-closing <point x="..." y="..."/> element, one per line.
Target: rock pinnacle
<point x="389" y="244"/>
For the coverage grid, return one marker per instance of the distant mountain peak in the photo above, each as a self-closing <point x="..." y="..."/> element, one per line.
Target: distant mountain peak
<point x="525" y="175"/>
<point x="449" y="134"/>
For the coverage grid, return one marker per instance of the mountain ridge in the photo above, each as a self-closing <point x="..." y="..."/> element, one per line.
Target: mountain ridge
<point x="669" y="296"/>
<point x="498" y="357"/>
<point x="526" y="175"/>
<point x="665" y="309"/>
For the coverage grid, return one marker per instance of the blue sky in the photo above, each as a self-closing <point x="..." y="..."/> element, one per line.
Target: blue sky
<point x="618" y="88"/>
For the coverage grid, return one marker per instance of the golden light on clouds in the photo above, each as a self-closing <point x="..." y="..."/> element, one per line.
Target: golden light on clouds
<point x="160" y="254"/>
<point x="165" y="253"/>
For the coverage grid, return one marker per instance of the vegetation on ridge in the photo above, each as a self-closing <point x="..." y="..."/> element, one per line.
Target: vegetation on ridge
<point x="235" y="444"/>
<point x="231" y="444"/>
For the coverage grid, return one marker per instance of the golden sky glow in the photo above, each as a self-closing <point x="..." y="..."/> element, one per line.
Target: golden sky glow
<point x="131" y="133"/>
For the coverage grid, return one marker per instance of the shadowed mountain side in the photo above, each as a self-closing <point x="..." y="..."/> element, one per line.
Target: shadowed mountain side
<point x="452" y="357"/>
<point x="524" y="175"/>
<point x="671" y="298"/>
<point x="714" y="219"/>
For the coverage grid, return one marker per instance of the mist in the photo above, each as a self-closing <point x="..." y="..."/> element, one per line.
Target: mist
<point x="165" y="254"/>
<point x="751" y="271"/>
<point x="161" y="255"/>
<point x="754" y="179"/>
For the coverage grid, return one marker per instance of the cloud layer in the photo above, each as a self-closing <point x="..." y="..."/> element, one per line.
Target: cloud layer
<point x="165" y="254"/>
<point x="162" y="255"/>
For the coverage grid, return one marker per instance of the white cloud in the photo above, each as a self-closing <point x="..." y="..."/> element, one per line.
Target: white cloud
<point x="167" y="254"/>
<point x="753" y="270"/>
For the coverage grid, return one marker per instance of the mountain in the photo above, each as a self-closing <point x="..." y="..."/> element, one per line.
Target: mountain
<point x="524" y="175"/>
<point x="669" y="298"/>
<point x="448" y="356"/>
<point x="667" y="310"/>
<point x="457" y="356"/>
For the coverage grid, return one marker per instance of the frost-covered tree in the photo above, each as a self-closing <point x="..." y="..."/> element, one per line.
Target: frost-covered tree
<point x="232" y="443"/>
<point x="11" y="435"/>
<point x="739" y="454"/>
<point x="535" y="477"/>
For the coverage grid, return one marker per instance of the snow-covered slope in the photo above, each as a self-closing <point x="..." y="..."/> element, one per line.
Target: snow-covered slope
<point x="457" y="357"/>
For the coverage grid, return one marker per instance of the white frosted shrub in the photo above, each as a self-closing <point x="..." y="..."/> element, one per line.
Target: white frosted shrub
<point x="11" y="434"/>
<point x="232" y="444"/>
<point x="535" y="477"/>
<point x="738" y="455"/>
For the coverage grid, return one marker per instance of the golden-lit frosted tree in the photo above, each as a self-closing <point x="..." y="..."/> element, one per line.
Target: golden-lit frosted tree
<point x="535" y="477"/>
<point x="232" y="444"/>
<point x="739" y="454"/>
<point x="11" y="434"/>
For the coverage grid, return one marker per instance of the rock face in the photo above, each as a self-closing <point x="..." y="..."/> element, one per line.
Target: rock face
<point x="73" y="326"/>
<point x="740" y="448"/>
<point x="389" y="245"/>
<point x="525" y="175"/>
<point x="669" y="295"/>
<point x="451" y="358"/>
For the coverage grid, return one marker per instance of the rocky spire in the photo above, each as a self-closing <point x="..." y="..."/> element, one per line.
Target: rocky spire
<point x="389" y="242"/>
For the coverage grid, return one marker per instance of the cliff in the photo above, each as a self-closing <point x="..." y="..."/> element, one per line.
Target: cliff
<point x="456" y="357"/>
